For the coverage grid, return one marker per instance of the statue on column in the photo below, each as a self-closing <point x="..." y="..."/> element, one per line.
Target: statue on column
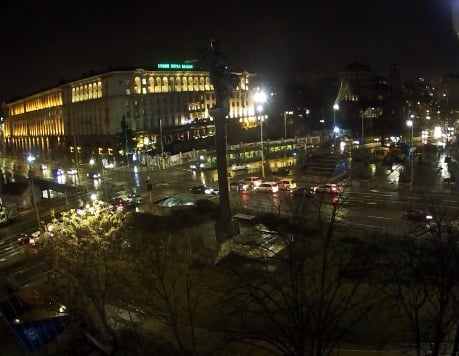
<point x="224" y="82"/>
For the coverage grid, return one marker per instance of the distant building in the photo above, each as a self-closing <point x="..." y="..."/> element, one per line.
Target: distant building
<point x="85" y="117"/>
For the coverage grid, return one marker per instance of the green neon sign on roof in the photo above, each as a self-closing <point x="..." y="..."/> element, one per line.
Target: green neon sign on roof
<point x="175" y="66"/>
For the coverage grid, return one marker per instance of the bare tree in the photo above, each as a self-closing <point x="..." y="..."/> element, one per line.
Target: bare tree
<point x="305" y="299"/>
<point x="421" y="278"/>
<point x="168" y="284"/>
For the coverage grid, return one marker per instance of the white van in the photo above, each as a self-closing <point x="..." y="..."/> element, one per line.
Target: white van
<point x="286" y="183"/>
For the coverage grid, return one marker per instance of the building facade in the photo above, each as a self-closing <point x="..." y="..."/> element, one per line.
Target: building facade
<point x="85" y="117"/>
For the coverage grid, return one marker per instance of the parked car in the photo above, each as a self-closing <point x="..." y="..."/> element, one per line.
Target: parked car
<point x="239" y="166"/>
<point x="329" y="188"/>
<point x="202" y="189"/>
<point x="302" y="192"/>
<point x="286" y="183"/>
<point x="270" y="187"/>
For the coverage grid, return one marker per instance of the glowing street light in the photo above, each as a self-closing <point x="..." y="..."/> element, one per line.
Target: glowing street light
<point x="410" y="123"/>
<point x="335" y="109"/>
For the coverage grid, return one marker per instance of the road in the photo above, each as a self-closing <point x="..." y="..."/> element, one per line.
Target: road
<point x="375" y="203"/>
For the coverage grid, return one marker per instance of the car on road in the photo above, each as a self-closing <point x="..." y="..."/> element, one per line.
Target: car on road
<point x="252" y="182"/>
<point x="416" y="215"/>
<point x="328" y="188"/>
<point x="286" y="183"/>
<point x="239" y="166"/>
<point x="269" y="187"/>
<point x="29" y="239"/>
<point x="58" y="172"/>
<point x="72" y="171"/>
<point x="239" y="186"/>
<point x="202" y="189"/>
<point x="200" y="166"/>
<point x="119" y="204"/>
<point x="302" y="192"/>
<point x="93" y="175"/>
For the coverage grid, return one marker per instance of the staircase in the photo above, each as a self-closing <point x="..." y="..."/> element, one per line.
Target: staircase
<point x="321" y="168"/>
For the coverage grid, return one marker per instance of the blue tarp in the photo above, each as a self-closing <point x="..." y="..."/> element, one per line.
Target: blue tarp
<point x="36" y="334"/>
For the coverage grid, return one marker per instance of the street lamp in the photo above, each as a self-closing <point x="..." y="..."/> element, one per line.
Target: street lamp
<point x="260" y="99"/>
<point x="445" y="95"/>
<point x="410" y="123"/>
<point x="335" y="109"/>
<point x="30" y="160"/>
<point x="285" y="122"/>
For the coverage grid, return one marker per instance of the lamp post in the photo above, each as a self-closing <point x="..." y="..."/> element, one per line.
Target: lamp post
<point x="445" y="95"/>
<point x="335" y="109"/>
<point x="30" y="160"/>
<point x="285" y="122"/>
<point x="410" y="123"/>
<point x="260" y="99"/>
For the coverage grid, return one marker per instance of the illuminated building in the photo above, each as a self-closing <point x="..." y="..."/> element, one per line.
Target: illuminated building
<point x="168" y="104"/>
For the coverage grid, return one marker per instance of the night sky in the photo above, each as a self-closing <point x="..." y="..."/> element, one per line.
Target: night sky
<point x="44" y="42"/>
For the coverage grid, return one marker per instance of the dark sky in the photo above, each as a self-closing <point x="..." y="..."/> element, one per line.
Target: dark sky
<point x="46" y="41"/>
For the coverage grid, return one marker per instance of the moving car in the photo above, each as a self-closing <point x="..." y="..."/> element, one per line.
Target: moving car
<point x="26" y="239"/>
<point x="239" y="166"/>
<point x="238" y="186"/>
<point x="329" y="188"/>
<point x="93" y="175"/>
<point x="270" y="187"/>
<point x="416" y="215"/>
<point x="58" y="172"/>
<point x="252" y="182"/>
<point x="286" y="183"/>
<point x="302" y="192"/>
<point x="202" y="189"/>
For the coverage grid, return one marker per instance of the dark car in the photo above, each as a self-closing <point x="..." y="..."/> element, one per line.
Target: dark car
<point x="25" y="239"/>
<point x="118" y="204"/>
<point x="202" y="189"/>
<point x="328" y="188"/>
<point x="416" y="215"/>
<point x="58" y="172"/>
<point x="302" y="192"/>
<point x="93" y="175"/>
<point x="238" y="186"/>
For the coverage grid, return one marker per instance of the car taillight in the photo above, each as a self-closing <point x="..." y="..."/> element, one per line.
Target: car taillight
<point x="32" y="241"/>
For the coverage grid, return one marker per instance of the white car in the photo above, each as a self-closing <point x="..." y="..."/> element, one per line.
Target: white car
<point x="239" y="166"/>
<point x="270" y="187"/>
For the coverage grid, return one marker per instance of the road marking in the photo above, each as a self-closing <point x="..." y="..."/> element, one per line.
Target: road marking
<point x="379" y="217"/>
